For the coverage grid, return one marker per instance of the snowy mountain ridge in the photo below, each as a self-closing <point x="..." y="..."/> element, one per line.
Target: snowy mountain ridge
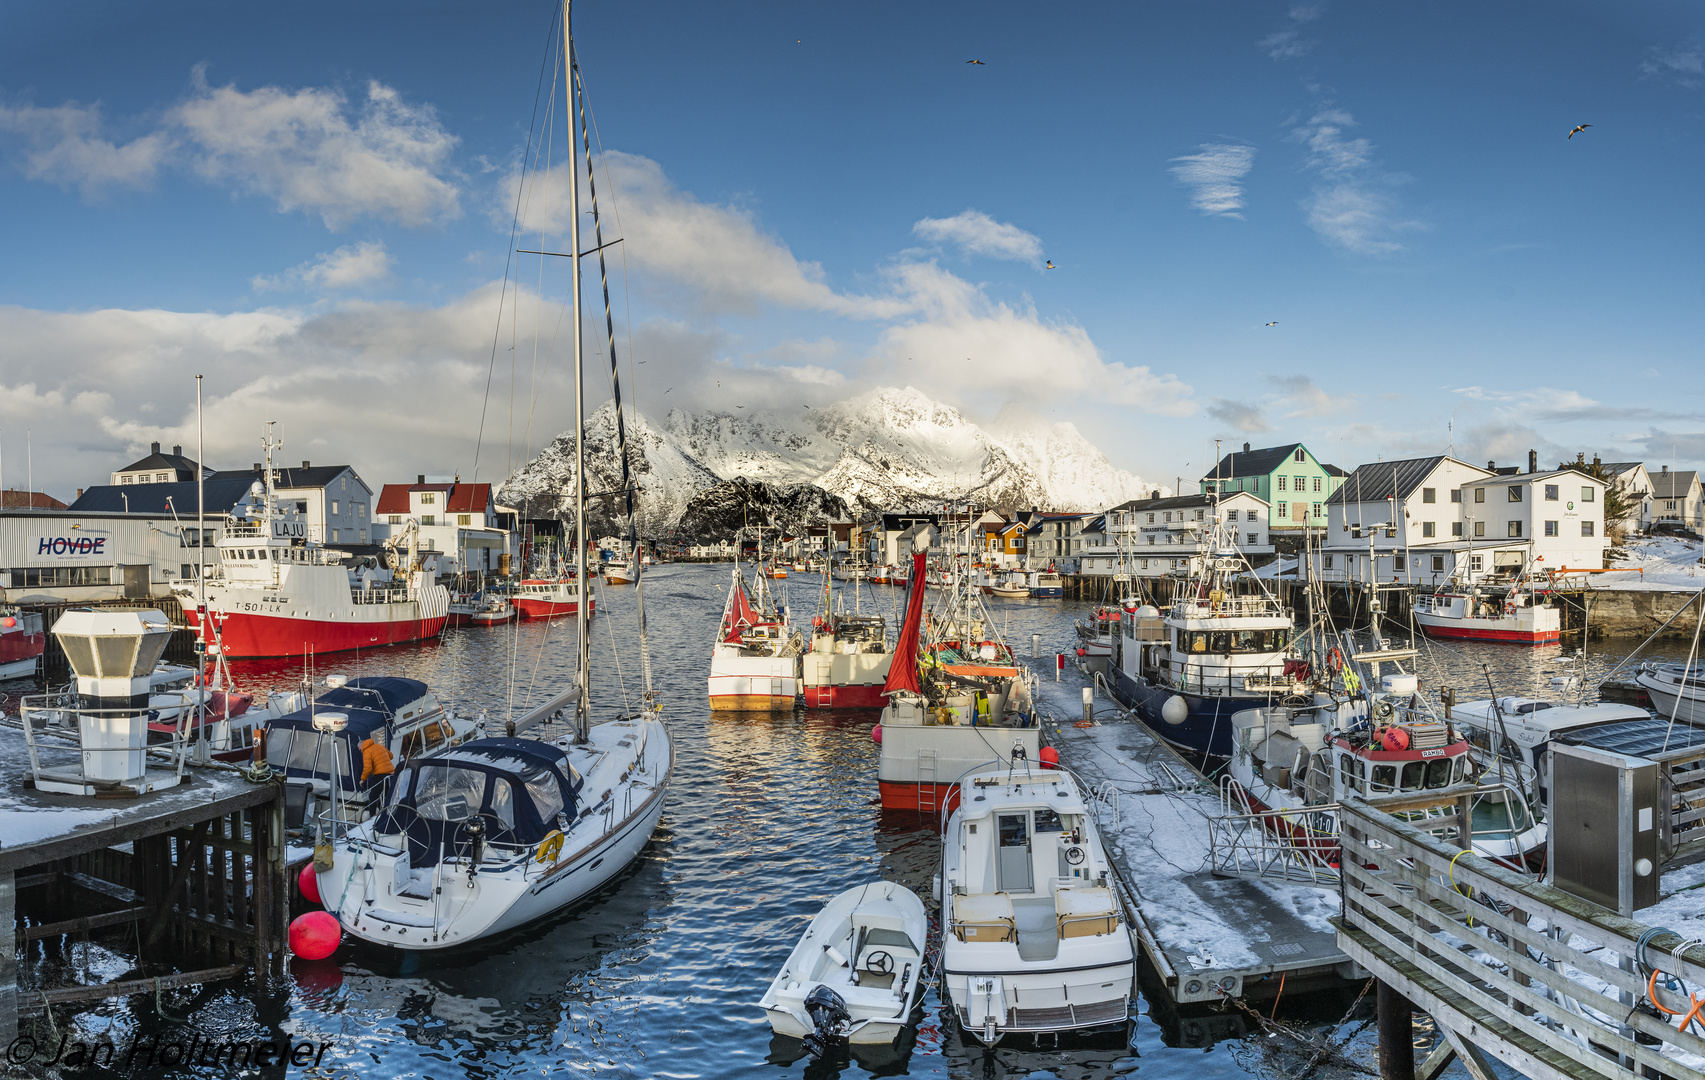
<point x="888" y="449"/>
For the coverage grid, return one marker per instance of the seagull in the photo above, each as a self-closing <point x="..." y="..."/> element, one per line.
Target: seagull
<point x="973" y="61"/>
<point x="1578" y="128"/>
<point x="739" y="406"/>
<point x="1275" y="322"/>
<point x="671" y="388"/>
<point x="807" y="406"/>
<point x="1050" y="265"/>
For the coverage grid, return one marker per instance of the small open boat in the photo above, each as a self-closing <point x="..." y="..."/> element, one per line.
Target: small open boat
<point x="865" y="948"/>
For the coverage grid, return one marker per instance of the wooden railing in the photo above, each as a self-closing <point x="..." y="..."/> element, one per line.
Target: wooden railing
<point x="1546" y="982"/>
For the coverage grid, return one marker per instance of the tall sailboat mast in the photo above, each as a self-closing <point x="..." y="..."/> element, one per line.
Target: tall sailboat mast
<point x="583" y="634"/>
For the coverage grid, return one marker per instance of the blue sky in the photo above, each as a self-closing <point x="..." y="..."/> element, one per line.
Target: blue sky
<point x="310" y="203"/>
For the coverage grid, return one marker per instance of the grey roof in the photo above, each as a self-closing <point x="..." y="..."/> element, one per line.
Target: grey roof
<point x="1251" y="462"/>
<point x="317" y="476"/>
<point x="1617" y="468"/>
<point x="1332" y="470"/>
<point x="221" y="495"/>
<point x="1672" y="485"/>
<point x="1177" y="502"/>
<point x="1384" y="479"/>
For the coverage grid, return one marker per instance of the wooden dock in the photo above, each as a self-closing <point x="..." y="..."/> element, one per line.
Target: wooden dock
<point x="188" y="881"/>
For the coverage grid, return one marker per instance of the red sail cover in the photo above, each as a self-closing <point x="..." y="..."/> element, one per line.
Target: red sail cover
<point x="903" y="669"/>
<point x="741" y="616"/>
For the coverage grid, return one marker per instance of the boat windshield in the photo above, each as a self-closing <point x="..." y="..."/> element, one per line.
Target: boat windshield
<point x="448" y="793"/>
<point x="1233" y="641"/>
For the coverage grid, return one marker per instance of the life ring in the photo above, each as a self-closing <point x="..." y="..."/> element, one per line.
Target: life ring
<point x="551" y="846"/>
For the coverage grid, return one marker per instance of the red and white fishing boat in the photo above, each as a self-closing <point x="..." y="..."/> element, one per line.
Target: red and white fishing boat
<point x="849" y="658"/>
<point x="755" y="662"/>
<point x="1515" y="612"/>
<point x="881" y="575"/>
<point x="22" y="641"/>
<point x="621" y="572"/>
<point x="277" y="593"/>
<point x="481" y="609"/>
<point x="546" y="598"/>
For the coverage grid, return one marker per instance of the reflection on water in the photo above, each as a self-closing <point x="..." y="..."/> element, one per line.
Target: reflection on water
<point x="768" y="816"/>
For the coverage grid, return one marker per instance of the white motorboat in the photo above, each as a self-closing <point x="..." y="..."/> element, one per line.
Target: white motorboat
<point x="1034" y="935"/>
<point x="866" y="949"/>
<point x="498" y="832"/>
<point x="1677" y="690"/>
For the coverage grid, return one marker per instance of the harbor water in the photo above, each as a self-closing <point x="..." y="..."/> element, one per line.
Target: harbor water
<point x="767" y="816"/>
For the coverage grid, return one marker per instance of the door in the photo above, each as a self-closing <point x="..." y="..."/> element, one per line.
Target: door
<point x="1012" y="870"/>
<point x="136" y="582"/>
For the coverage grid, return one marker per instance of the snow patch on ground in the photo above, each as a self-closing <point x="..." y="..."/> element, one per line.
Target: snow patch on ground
<point x="1656" y="564"/>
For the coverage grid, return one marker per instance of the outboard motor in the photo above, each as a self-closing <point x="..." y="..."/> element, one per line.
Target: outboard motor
<point x="475" y="829"/>
<point x="833" y="1023"/>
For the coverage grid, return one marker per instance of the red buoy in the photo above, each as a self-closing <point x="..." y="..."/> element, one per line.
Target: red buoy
<point x="315" y="936"/>
<point x="1050" y="757"/>
<point x="876" y="734"/>
<point x="1394" y="739"/>
<point x="309" y="884"/>
<point x="8" y="622"/>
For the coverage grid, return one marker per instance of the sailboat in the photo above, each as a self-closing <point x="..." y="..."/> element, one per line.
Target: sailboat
<point x="498" y="832"/>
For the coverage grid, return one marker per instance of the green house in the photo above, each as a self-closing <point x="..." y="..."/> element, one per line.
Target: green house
<point x="1292" y="481"/>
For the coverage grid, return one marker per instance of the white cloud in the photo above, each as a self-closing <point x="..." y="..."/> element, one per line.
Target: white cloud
<point x="1682" y="64"/>
<point x="354" y="264"/>
<point x="1287" y="43"/>
<point x="980" y="234"/>
<point x="308" y="150"/>
<point x="1213" y="177"/>
<point x="1299" y="396"/>
<point x="63" y="146"/>
<point x="1349" y="208"/>
<point x="1239" y="416"/>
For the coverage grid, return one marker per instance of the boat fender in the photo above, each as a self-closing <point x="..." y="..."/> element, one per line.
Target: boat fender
<point x="876" y="734"/>
<point x="550" y="847"/>
<point x="1175" y="711"/>
<point x="937" y="888"/>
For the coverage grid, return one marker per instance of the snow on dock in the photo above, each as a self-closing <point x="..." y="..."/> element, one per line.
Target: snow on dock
<point x="1208" y="937"/>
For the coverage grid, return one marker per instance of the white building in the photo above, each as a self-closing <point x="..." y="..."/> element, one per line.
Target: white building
<point x="459" y="521"/>
<point x="1635" y="483"/>
<point x="1424" y="520"/>
<point x="158" y="468"/>
<point x="1676" y="499"/>
<point x="1155" y="537"/>
<point x="334" y="501"/>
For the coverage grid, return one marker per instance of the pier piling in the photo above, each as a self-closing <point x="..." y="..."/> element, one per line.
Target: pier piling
<point x="1396" y="1033"/>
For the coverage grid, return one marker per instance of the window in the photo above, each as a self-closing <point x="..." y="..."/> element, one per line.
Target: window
<point x="1587" y="494"/>
<point x="186" y="571"/>
<point x="1231" y="515"/>
<point x="1317" y="483"/>
<point x="1151" y="519"/>
<point x="427" y="498"/>
<point x="1586" y="528"/>
<point x="1515" y="493"/>
<point x="334" y="507"/>
<point x="464" y="519"/>
<point x="142" y="478"/>
<point x="125" y="479"/>
<point x="1198" y="515"/>
<point x="429" y="519"/>
<point x="334" y="536"/>
<point x="1284" y="508"/>
<point x="1455" y="495"/>
<point x="396" y="519"/>
<point x="1479" y="528"/>
<point x="195" y="538"/>
<point x="1669" y="504"/>
<point x="1550" y="528"/>
<point x="1145" y="563"/>
<point x="1479" y="494"/>
<point x="1255" y="538"/>
<point x="1429" y="495"/>
<point x="1316" y="509"/>
<point x="43" y="576"/>
<point x="1456" y="528"/>
<point x="1550" y="492"/>
<point x="1399" y="563"/>
<point x="1475" y="562"/>
<point x="1300" y="456"/>
<point x="343" y="483"/>
<point x="1168" y="515"/>
<point x="1438" y="564"/>
<point x="1281" y="483"/>
<point x="1326" y="561"/>
<point x="1515" y="526"/>
<point x="1427" y="529"/>
<point x="161" y="478"/>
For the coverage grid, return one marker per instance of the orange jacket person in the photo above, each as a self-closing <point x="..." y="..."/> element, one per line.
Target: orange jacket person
<point x="375" y="760"/>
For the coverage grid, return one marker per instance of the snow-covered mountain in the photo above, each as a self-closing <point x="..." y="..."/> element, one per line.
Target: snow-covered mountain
<point x="887" y="449"/>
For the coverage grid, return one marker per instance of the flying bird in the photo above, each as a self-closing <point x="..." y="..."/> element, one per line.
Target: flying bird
<point x="739" y="406"/>
<point x="807" y="406"/>
<point x="973" y="61"/>
<point x="1275" y="322"/>
<point x="1050" y="265"/>
<point x="1577" y="129"/>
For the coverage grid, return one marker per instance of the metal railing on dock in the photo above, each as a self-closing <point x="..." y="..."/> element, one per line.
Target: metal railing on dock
<point x="1534" y="976"/>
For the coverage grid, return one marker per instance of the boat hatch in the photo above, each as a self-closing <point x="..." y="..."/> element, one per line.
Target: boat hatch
<point x="520" y="791"/>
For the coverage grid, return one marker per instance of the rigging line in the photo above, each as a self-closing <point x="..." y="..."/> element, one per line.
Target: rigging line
<point x="514" y="230"/>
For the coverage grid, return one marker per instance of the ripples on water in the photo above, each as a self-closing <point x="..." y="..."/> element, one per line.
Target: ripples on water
<point x="767" y="817"/>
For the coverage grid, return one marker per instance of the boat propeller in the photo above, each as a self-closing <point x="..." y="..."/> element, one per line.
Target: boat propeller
<point x="828" y="1011"/>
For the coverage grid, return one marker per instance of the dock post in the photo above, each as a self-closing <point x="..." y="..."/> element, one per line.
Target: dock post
<point x="9" y="958"/>
<point x="1396" y="1034"/>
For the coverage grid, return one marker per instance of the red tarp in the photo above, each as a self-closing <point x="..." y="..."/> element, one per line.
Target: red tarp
<point x="740" y="616"/>
<point x="903" y="670"/>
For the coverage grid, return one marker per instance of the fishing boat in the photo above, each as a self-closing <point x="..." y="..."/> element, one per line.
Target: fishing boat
<point x="549" y="598"/>
<point x="22" y="642"/>
<point x="1047" y="585"/>
<point x="1034" y="935"/>
<point x="957" y="702"/>
<point x="1524" y="729"/>
<point x="1677" y="690"/>
<point x="1515" y="611"/>
<point x="621" y="571"/>
<point x="1218" y="649"/>
<point x="881" y="575"/>
<point x="1098" y="637"/>
<point x="500" y="831"/>
<point x="494" y="610"/>
<point x="847" y="663"/>
<point x="755" y="662"/>
<point x="1011" y="588"/>
<point x="275" y="592"/>
<point x="857" y="973"/>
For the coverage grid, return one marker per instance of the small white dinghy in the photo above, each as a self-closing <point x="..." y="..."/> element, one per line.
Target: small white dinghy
<point x="856" y="973"/>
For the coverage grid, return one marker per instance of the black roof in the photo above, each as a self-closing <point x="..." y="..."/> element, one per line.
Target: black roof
<point x="1385" y="480"/>
<point x="1251" y="462"/>
<point x="315" y="476"/>
<point x="221" y="495"/>
<point x="1178" y="502"/>
<point x="902" y="522"/>
<point x="157" y="460"/>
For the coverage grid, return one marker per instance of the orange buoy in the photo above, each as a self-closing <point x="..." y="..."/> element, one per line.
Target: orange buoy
<point x="1050" y="757"/>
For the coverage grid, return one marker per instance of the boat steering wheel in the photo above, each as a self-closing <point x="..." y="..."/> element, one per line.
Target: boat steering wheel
<point x="879" y="963"/>
<point x="1074" y="855"/>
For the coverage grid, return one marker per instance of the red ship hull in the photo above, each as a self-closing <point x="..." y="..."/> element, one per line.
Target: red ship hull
<point x="923" y="798"/>
<point x="1472" y="633"/>
<point x="549" y="609"/>
<point x="244" y="636"/>
<point x="845" y="697"/>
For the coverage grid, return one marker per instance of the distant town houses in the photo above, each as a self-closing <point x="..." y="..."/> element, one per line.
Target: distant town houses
<point x="1676" y="499"/>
